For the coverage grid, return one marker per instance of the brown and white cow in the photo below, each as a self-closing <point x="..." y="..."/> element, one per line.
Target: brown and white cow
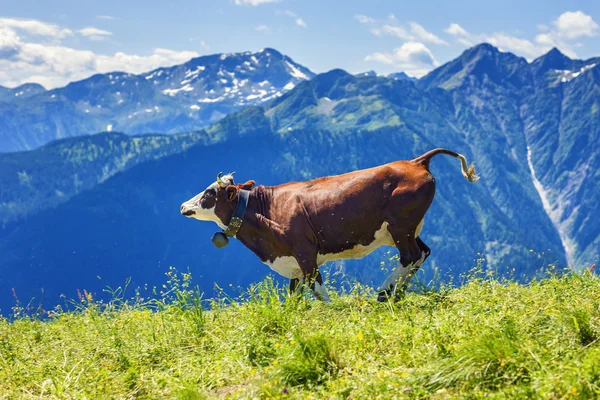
<point x="296" y="227"/>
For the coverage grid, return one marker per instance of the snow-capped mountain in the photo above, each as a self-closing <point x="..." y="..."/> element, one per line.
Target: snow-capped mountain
<point x="173" y="99"/>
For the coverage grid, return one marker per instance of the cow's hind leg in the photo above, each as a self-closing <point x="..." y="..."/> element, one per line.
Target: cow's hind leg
<point x="411" y="258"/>
<point x="424" y="248"/>
<point x="296" y="285"/>
<point x="318" y="287"/>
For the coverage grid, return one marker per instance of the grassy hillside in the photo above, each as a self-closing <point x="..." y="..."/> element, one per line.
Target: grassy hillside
<point x="485" y="339"/>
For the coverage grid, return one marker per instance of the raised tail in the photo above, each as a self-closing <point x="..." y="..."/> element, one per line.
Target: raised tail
<point x="468" y="172"/>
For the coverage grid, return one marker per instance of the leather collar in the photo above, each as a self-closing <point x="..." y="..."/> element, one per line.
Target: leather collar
<point x="238" y="215"/>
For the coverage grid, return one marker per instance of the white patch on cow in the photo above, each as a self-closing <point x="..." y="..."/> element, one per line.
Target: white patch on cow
<point x="205" y="214"/>
<point x="321" y="293"/>
<point x="286" y="266"/>
<point x="382" y="238"/>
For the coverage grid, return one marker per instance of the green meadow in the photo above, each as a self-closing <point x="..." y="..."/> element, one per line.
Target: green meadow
<point x="487" y="338"/>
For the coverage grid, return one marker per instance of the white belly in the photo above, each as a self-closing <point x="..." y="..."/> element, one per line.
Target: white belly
<point x="286" y="266"/>
<point x="382" y="238"/>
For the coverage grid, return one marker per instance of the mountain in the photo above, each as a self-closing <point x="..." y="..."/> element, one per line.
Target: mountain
<point x="22" y="92"/>
<point x="43" y="178"/>
<point x="539" y="122"/>
<point x="129" y="225"/>
<point x="168" y="100"/>
<point x="401" y="76"/>
<point x="367" y="73"/>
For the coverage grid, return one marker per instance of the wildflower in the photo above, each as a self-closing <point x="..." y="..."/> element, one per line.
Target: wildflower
<point x="359" y="336"/>
<point x="275" y="362"/>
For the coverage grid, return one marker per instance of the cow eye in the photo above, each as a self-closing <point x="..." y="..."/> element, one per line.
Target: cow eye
<point x="210" y="192"/>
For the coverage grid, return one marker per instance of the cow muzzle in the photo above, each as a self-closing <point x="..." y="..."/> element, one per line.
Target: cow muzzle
<point x="186" y="210"/>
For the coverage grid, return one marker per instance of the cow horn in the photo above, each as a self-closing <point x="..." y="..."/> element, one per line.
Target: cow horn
<point x="220" y="181"/>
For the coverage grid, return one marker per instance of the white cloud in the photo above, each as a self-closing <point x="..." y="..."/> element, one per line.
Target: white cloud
<point x="569" y="26"/>
<point x="412" y="32"/>
<point x="9" y="43"/>
<point x="515" y="44"/>
<point x="35" y="27"/>
<point x="414" y="58"/>
<point x="253" y="2"/>
<point x="25" y="60"/>
<point x="501" y="40"/>
<point x="299" y="21"/>
<point x="204" y="45"/>
<point x="94" y="33"/>
<point x="456" y="30"/>
<point x="105" y="17"/>
<point x="397" y="31"/>
<point x="91" y="31"/>
<point x="424" y="35"/>
<point x="364" y="19"/>
<point x="543" y="27"/>
<point x="263" y="29"/>
<point x="574" y="24"/>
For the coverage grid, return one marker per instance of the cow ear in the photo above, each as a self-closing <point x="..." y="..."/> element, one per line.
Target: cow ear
<point x="231" y="192"/>
<point x="246" y="186"/>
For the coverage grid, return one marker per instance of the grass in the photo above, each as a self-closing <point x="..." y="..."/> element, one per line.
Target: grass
<point x="487" y="338"/>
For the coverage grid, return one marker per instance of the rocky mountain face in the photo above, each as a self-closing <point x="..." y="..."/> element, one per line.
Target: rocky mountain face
<point x="167" y="100"/>
<point x="531" y="128"/>
<point x="537" y="122"/>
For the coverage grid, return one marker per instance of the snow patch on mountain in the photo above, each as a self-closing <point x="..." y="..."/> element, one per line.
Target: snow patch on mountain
<point x="295" y="72"/>
<point x="554" y="212"/>
<point x="567" y="75"/>
<point x="173" y="92"/>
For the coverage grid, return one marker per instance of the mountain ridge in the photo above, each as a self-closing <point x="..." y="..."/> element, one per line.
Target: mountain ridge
<point x="172" y="99"/>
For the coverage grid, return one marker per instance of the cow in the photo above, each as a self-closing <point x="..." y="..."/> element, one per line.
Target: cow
<point x="296" y="227"/>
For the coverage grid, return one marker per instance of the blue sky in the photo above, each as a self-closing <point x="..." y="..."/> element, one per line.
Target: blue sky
<point x="54" y="42"/>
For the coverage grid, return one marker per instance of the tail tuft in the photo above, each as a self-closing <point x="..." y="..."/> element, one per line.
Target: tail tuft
<point x="468" y="172"/>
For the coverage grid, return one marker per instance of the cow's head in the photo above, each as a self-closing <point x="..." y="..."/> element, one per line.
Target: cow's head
<point x="217" y="202"/>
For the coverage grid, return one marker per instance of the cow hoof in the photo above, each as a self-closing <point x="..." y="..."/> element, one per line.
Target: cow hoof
<point x="383" y="296"/>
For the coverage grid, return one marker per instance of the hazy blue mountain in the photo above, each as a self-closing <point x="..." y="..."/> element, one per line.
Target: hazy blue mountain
<point x="21" y="92"/>
<point x="36" y="180"/>
<point x="167" y="100"/>
<point x="401" y="76"/>
<point x="367" y="73"/>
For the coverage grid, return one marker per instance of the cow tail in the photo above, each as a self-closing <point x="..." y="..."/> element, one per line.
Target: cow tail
<point x="467" y="171"/>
